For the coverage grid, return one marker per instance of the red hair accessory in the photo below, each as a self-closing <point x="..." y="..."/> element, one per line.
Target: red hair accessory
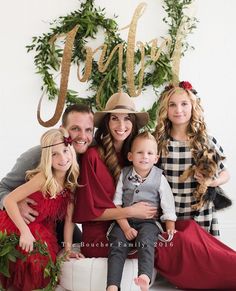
<point x="66" y="140"/>
<point x="185" y="85"/>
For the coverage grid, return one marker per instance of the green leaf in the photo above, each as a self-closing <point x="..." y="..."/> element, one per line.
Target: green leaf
<point x="5" y="267"/>
<point x="5" y="250"/>
<point x="48" y="56"/>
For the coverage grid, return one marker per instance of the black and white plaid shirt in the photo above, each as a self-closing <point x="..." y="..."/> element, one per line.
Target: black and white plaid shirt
<point x="177" y="161"/>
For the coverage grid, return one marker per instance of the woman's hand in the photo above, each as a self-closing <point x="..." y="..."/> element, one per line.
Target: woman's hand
<point x="143" y="210"/>
<point x="27" y="241"/>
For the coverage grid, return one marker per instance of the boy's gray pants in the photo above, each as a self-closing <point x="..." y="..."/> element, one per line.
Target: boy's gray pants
<point x="145" y="243"/>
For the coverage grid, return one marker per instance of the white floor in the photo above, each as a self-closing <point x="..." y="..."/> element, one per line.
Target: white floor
<point x="162" y="284"/>
<point x="227" y="224"/>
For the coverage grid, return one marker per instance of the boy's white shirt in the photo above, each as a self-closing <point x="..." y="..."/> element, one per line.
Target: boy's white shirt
<point x="166" y="196"/>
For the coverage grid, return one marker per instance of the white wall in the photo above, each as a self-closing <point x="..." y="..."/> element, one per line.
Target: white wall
<point x="210" y="68"/>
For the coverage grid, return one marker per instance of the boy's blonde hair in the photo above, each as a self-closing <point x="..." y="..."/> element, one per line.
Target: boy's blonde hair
<point x="51" y="186"/>
<point x="144" y="135"/>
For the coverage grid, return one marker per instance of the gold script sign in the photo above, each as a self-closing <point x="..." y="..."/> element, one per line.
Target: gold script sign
<point x="102" y="66"/>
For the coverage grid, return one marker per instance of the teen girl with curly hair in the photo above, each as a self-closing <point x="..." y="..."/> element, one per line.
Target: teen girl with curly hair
<point x="181" y="133"/>
<point x="196" y="260"/>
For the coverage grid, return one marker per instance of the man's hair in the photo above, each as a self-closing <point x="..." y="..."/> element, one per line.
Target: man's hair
<point x="81" y="108"/>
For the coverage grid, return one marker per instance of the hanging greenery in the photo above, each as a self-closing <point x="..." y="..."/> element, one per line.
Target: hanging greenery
<point x="48" y="55"/>
<point x="175" y="18"/>
<point x="10" y="253"/>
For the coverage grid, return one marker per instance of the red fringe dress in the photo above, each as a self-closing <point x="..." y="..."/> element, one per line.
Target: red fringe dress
<point x="28" y="275"/>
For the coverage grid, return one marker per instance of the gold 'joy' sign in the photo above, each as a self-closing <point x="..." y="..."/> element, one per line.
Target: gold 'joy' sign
<point x="102" y="65"/>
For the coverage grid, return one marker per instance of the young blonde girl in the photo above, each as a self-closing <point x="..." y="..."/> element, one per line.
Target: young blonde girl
<point x="51" y="185"/>
<point x="180" y="130"/>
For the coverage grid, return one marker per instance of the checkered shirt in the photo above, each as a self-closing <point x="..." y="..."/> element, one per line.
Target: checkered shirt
<point x="177" y="161"/>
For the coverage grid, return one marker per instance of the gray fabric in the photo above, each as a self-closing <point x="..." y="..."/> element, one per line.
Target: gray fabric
<point x="16" y="177"/>
<point x="146" y="191"/>
<point x="145" y="243"/>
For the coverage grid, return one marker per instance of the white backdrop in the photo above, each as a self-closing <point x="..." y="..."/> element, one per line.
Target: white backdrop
<point x="210" y="68"/>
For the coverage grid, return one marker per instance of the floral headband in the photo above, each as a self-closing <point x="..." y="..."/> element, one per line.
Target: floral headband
<point x="184" y="85"/>
<point x="66" y="140"/>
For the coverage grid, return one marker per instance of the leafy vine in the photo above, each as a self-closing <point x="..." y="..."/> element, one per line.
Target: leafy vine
<point x="10" y="253"/>
<point x="48" y="55"/>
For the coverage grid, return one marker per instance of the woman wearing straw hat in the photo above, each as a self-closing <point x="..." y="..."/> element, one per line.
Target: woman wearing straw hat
<point x="117" y="125"/>
<point x="185" y="262"/>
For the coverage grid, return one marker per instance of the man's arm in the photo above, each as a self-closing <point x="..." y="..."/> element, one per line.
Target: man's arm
<point x="16" y="177"/>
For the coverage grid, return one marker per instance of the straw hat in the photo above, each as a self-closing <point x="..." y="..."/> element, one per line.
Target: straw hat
<point x="121" y="103"/>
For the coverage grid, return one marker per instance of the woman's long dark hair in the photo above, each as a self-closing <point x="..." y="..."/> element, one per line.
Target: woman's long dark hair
<point x="106" y="147"/>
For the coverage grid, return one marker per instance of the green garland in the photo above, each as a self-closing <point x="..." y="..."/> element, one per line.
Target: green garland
<point x="48" y="54"/>
<point x="9" y="253"/>
<point x="175" y="16"/>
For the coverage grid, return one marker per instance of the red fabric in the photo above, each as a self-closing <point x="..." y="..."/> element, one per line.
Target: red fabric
<point x="96" y="189"/>
<point x="93" y="197"/>
<point x="94" y="241"/>
<point x="193" y="260"/>
<point x="196" y="260"/>
<point x="28" y="275"/>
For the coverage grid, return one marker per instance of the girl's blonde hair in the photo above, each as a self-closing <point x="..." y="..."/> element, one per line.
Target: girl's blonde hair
<point x="51" y="186"/>
<point x="196" y="130"/>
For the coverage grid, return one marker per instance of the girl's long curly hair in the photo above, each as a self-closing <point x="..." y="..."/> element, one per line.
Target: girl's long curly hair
<point x="196" y="130"/>
<point x="106" y="147"/>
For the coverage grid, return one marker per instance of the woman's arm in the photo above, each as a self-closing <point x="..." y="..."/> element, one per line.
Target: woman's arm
<point x="94" y="200"/>
<point x="141" y="210"/>
<point x="138" y="210"/>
